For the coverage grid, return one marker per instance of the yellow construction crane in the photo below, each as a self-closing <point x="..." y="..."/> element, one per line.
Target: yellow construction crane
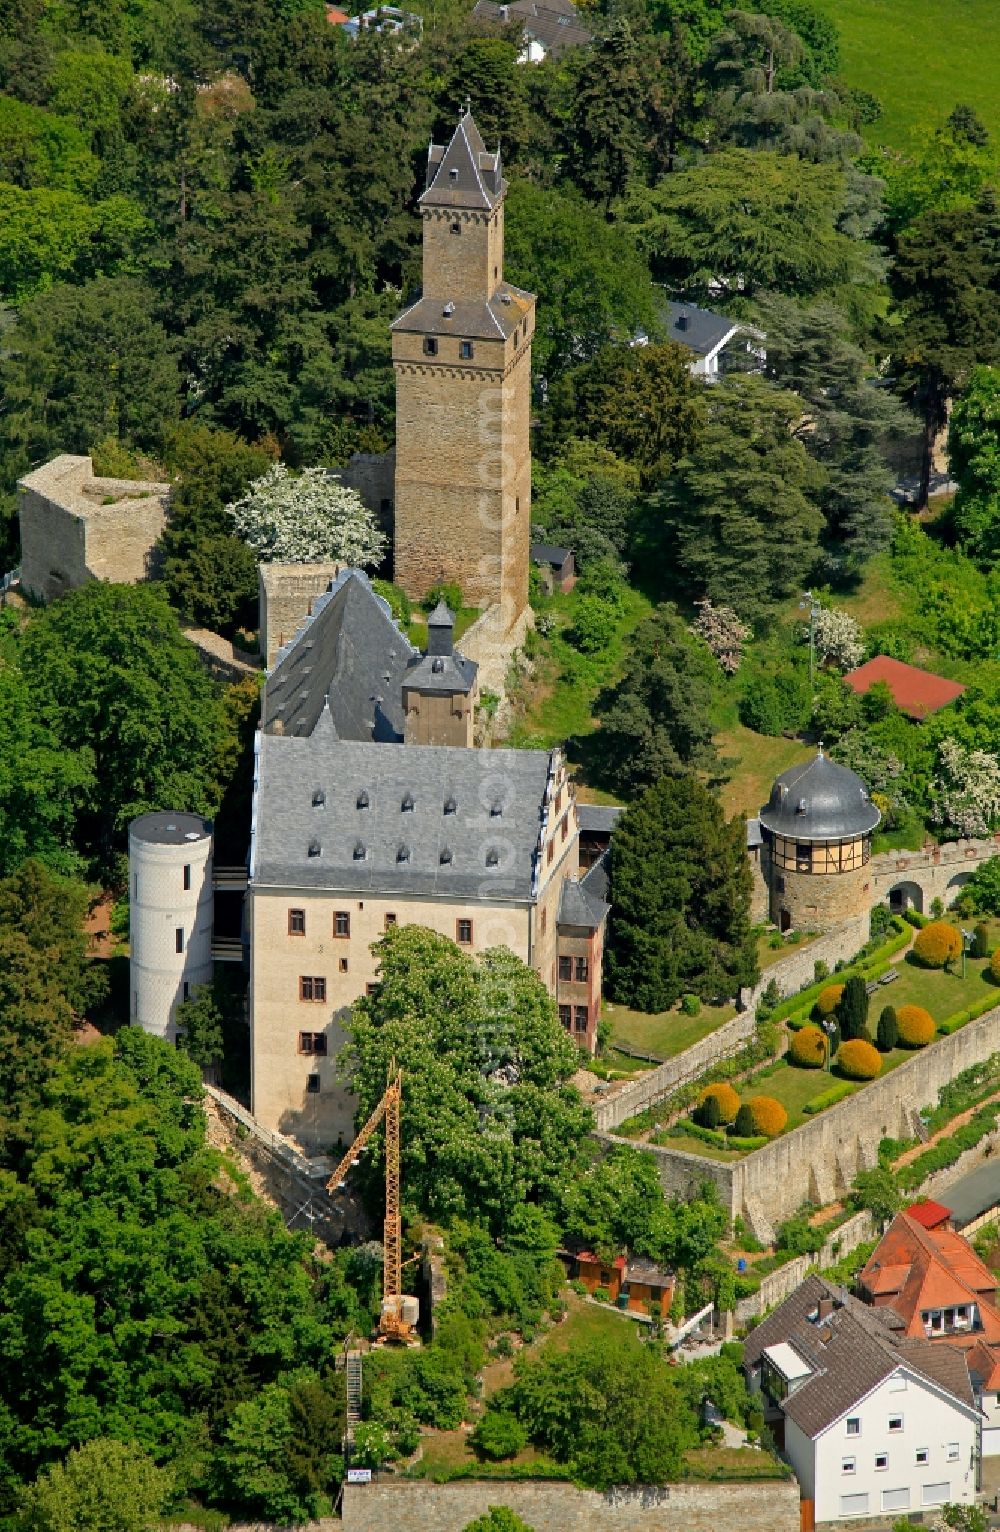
<point x="398" y="1319"/>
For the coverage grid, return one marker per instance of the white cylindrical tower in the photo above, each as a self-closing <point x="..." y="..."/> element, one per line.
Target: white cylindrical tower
<point x="170" y="896"/>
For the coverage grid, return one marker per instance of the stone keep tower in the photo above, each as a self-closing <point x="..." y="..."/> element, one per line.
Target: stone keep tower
<point x="817" y="832"/>
<point x="462" y="356"/>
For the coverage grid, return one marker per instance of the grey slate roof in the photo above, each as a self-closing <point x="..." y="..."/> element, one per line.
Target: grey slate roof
<point x="451" y="673"/>
<point x="580" y="906"/>
<point x="555" y="23"/>
<point x="350" y="657"/>
<point x="598" y="818"/>
<point x="702" y="331"/>
<point x="596" y="881"/>
<point x="973" y="1194"/>
<point x="851" y="1351"/>
<point x="547" y="553"/>
<point x="463" y="173"/>
<point x="467" y="318"/>
<point x="472" y="853"/>
<point x="754" y="837"/>
<point x="819" y="801"/>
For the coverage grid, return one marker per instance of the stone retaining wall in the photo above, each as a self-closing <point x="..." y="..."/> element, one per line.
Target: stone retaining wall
<point x="778" y="1285"/>
<point x="548" y="1507"/>
<point x="818" y="1161"/>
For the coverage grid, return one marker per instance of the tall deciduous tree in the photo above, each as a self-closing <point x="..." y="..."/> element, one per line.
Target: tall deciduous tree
<point x="489" y="1118"/>
<point x="41" y="785"/>
<point x="605" y="143"/>
<point x="112" y="675"/>
<point x="304" y="518"/>
<point x="740" y="512"/>
<point x="974" y="454"/>
<point x="103" y="1486"/>
<point x="680" y="886"/>
<point x="657" y="719"/>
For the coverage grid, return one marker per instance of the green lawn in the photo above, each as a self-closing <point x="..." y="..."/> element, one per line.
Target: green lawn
<point x="938" y="992"/>
<point x="920" y="57"/>
<point x="758" y="759"/>
<point x="667" y="1033"/>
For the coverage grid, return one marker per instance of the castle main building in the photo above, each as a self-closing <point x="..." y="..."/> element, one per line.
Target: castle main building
<point x="462" y="355"/>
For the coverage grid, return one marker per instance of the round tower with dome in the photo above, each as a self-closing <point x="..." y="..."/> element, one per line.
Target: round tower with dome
<point x="816" y="830"/>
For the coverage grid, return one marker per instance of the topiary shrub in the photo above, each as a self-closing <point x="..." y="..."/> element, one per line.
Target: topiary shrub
<point x="829" y="999"/>
<point x="859" y="1060"/>
<point x="980" y="941"/>
<point x="690" y="1005"/>
<point x="743" y="1126"/>
<point x="709" y="1115"/>
<point x="767" y="1115"/>
<point x="888" y="1032"/>
<point x="852" y="1012"/>
<point x="914" y="1025"/>
<point x="728" y="1099"/>
<point x="995" y="966"/>
<point x="808" y="1048"/>
<point x="937" y="945"/>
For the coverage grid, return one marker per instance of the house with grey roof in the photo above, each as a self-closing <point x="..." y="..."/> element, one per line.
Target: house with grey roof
<point x="547" y="26"/>
<point x="372" y="810"/>
<point x="872" y="1422"/>
<point x="716" y="342"/>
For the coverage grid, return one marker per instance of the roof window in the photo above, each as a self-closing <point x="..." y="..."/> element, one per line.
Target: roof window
<point x="448" y="310"/>
<point x="496" y="809"/>
<point x="437" y="665"/>
<point x="450" y="806"/>
<point x="453" y="174"/>
<point x="492" y="857"/>
<point x="364" y="802"/>
<point x="315" y="848"/>
<point x="359" y="851"/>
<point x="319" y="798"/>
<point x="801" y="807"/>
<point x="403" y="854"/>
<point x="445" y="857"/>
<point x="406" y="807"/>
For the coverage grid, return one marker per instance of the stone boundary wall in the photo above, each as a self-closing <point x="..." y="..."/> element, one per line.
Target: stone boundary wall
<point x="286" y="595"/>
<point x="819" y="1160"/>
<point x="932" y="868"/>
<point x="491" y="643"/>
<point x="791" y="974"/>
<point x="417" y="1506"/>
<point x="779" y="1284"/>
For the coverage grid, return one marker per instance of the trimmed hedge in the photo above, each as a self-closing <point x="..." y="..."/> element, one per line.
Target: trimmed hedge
<point x="727" y="1098"/>
<point x="858" y="1060"/>
<point x="718" y="1140"/>
<point x="978" y="1008"/>
<point x="808" y="1048"/>
<point x="995" y="965"/>
<point x="829" y="999"/>
<point x="947" y="1150"/>
<point x="915" y="1026"/>
<point x="769" y="1116"/>
<point x="914" y="918"/>
<point x="937" y="945"/>
<point x="829" y="1097"/>
<point x="869" y="965"/>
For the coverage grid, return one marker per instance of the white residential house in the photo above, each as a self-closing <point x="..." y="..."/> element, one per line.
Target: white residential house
<point x="873" y="1423"/>
<point x="717" y="343"/>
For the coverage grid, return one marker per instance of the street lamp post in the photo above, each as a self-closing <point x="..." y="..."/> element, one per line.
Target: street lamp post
<point x="830" y="1029"/>
<point x="809" y="601"/>
<point x="967" y="939"/>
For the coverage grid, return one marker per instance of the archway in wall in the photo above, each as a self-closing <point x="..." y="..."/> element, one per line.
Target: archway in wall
<point x="955" y="886"/>
<point x="906" y="896"/>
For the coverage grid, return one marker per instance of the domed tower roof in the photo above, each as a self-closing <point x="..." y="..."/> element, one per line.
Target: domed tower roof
<point x="819" y="801"/>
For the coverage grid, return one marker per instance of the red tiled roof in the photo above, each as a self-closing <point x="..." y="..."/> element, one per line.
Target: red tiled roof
<point x="944" y="1271"/>
<point x="929" y="1214"/>
<point x="914" y="691"/>
<point x="335" y="16"/>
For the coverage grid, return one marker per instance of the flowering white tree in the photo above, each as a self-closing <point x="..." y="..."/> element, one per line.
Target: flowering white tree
<point x="838" y="638"/>
<point x="966" y="791"/>
<point x="723" y="632"/>
<point x="306" y="518"/>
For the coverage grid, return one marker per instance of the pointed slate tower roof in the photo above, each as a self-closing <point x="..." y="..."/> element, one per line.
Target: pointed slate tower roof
<point x="463" y="174"/>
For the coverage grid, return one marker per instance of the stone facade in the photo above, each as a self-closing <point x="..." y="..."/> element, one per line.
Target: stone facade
<point x="546" y="1507"/>
<point x="287" y="593"/>
<point x="491" y="644"/>
<point x="818" y="899"/>
<point x="75" y="527"/>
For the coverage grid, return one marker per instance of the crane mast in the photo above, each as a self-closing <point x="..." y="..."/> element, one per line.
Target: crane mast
<point x="392" y="1324"/>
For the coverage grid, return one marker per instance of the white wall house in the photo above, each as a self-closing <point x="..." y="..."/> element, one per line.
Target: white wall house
<point x="906" y="1446"/>
<point x="873" y="1422"/>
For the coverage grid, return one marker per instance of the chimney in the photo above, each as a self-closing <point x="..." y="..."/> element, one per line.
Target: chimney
<point x="440" y="631"/>
<point x="826" y="1308"/>
<point x="683" y="320"/>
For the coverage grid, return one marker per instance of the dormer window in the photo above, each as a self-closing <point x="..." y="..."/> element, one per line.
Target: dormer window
<point x="315" y="848"/>
<point x="359" y="851"/>
<point x="453" y="174"/>
<point x="437" y="665"/>
<point x="319" y="798"/>
<point x="364" y="802"/>
<point x="801" y="807"/>
<point x="493" y="857"/>
<point x="450" y="806"/>
<point x="496" y="809"/>
<point x="406" y="807"/>
<point x="445" y="857"/>
<point x="403" y="854"/>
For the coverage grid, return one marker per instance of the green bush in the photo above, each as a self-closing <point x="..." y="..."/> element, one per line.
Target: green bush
<point x="773" y="703"/>
<point x="450" y="592"/>
<point x="953" y="1023"/>
<point x="399" y="601"/>
<point x="798" y="1237"/>
<point x="852" y="1012"/>
<point x="594" y="624"/>
<point x="709" y="1115"/>
<point x="914" y="918"/>
<point x="947" y="1150"/>
<point x="697" y="1130"/>
<point x="690" y="1005"/>
<point x="828" y="1098"/>
<point x="498" y="1435"/>
<point x="980" y="941"/>
<point x="743" y="1127"/>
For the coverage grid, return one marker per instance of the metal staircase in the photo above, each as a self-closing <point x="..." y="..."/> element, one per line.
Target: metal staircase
<point x="353" y="1369"/>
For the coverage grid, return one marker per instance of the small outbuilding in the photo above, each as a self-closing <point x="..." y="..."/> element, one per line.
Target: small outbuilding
<point x="916" y="692"/>
<point x="714" y="339"/>
<point x="557" y="566"/>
